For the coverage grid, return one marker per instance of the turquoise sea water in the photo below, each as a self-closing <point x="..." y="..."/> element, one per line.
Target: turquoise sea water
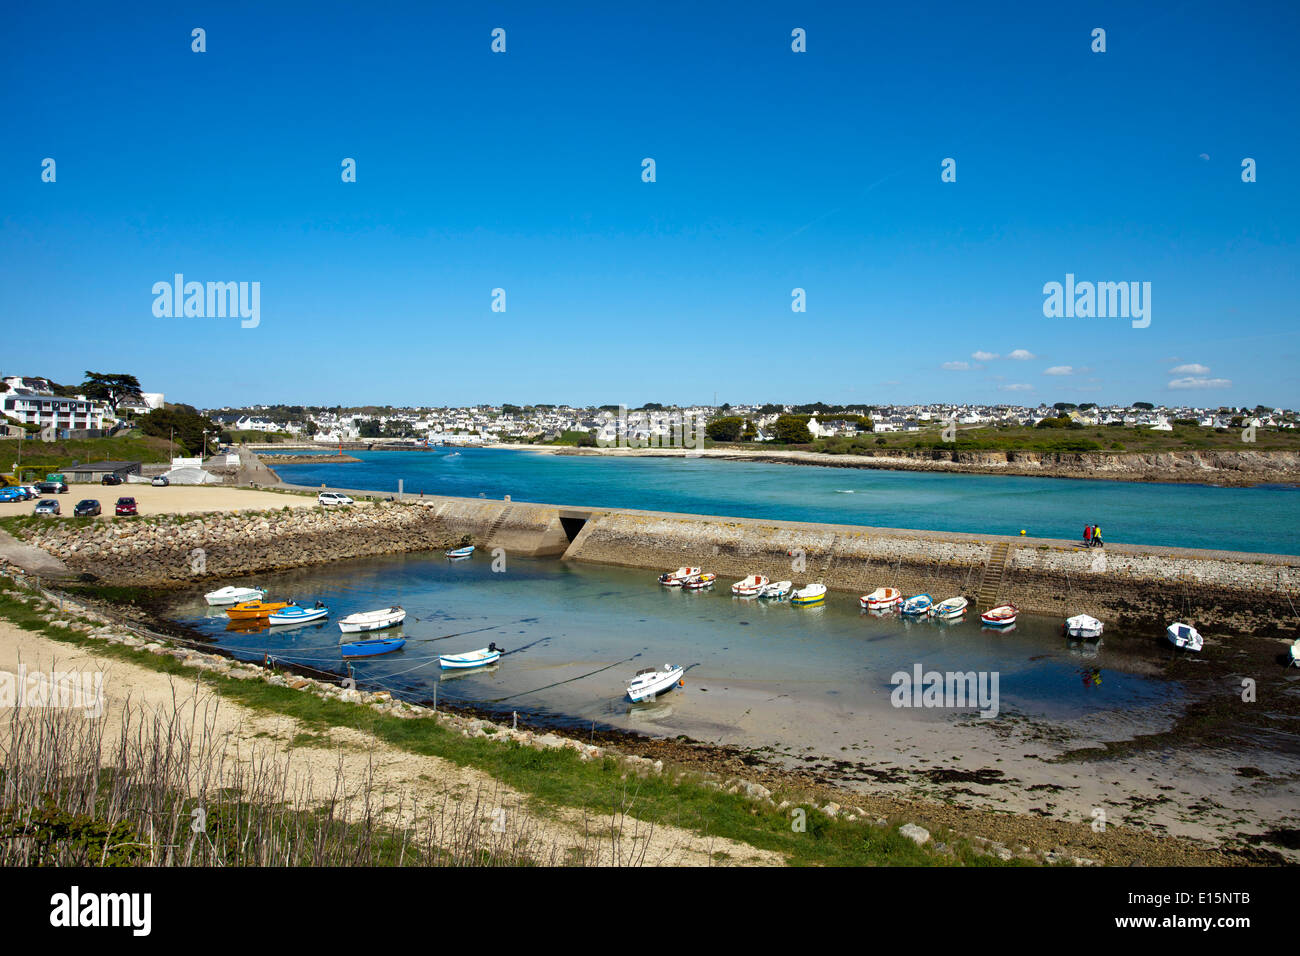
<point x="1265" y="518"/>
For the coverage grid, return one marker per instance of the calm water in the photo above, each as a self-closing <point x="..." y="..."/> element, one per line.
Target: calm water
<point x="757" y="672"/>
<point x="1199" y="516"/>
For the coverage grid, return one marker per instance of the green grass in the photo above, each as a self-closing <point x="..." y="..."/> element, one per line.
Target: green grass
<point x="556" y="777"/>
<point x="40" y="458"/>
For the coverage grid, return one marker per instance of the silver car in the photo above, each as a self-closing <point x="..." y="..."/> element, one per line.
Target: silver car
<point x="47" y="506"/>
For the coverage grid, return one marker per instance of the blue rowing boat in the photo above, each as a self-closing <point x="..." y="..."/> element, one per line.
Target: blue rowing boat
<point x="373" y="647"/>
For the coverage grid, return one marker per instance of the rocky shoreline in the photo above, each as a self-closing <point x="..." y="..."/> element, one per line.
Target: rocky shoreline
<point x="1224" y="468"/>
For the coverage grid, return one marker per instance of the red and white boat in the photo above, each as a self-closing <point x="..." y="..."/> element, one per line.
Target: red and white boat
<point x="751" y="586"/>
<point x="699" y="582"/>
<point x="675" y="579"/>
<point x="1004" y="615"/>
<point x="881" y="599"/>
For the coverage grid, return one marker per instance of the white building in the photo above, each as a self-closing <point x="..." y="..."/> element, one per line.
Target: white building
<point x="30" y="408"/>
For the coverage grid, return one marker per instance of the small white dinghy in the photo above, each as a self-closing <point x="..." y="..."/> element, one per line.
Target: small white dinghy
<point x="950" y="609"/>
<point x="293" y="614"/>
<point x="1004" y="615"/>
<point x="675" y="579"/>
<point x="777" y="590"/>
<point x="484" y="655"/>
<point x="751" y="586"/>
<point x="1185" y="636"/>
<point x="811" y="594"/>
<point x="649" y="682"/>
<point x="222" y="597"/>
<point x="881" y="598"/>
<point x="1083" y="625"/>
<point x="372" y="620"/>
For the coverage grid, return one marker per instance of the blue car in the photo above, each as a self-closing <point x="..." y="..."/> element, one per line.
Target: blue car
<point x="13" y="494"/>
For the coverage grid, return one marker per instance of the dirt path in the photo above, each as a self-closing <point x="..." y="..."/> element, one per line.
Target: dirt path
<point x="397" y="780"/>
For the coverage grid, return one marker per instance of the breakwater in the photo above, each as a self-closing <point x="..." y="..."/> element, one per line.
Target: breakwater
<point x="1123" y="584"/>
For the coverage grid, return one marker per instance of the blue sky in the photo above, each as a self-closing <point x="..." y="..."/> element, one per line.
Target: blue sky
<point x="775" y="170"/>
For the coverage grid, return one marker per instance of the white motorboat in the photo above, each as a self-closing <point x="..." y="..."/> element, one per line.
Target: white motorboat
<point x="881" y="598"/>
<point x="777" y="590"/>
<point x="751" y="586"/>
<point x="372" y="620"/>
<point x="950" y="609"/>
<point x="484" y="655"/>
<point x="1004" y="615"/>
<point x="650" y="682"/>
<point x="810" y="594"/>
<point x="675" y="579"/>
<point x="1084" y="626"/>
<point x="222" y="597"/>
<point x="1185" y="636"/>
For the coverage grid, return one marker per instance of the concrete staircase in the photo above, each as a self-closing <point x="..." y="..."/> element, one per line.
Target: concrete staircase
<point x="991" y="582"/>
<point x="496" y="526"/>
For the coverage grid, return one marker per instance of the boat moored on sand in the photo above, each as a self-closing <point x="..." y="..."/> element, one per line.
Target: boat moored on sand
<point x="1184" y="636"/>
<point x="650" y="682"/>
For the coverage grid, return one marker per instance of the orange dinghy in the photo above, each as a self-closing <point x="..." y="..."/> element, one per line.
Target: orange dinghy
<point x="250" y="610"/>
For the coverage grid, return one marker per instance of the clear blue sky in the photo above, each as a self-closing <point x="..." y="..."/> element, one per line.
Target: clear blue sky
<point x="775" y="170"/>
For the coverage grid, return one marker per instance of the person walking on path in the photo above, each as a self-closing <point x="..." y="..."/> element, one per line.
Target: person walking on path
<point x="1087" y="536"/>
<point x="1096" y="537"/>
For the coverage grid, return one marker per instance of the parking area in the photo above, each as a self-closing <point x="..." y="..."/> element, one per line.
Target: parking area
<point x="174" y="499"/>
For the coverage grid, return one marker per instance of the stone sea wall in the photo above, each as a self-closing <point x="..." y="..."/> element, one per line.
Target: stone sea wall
<point x="1121" y="584"/>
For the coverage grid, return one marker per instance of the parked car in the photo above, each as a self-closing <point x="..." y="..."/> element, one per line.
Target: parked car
<point x="12" y="494"/>
<point x="125" y="506"/>
<point x="51" y="487"/>
<point x="87" y="508"/>
<point x="160" y="481"/>
<point x="333" y="499"/>
<point x="32" y="492"/>
<point x="111" y="479"/>
<point x="47" y="506"/>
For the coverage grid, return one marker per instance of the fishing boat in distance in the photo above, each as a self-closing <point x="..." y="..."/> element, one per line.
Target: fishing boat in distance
<point x="1184" y="636"/>
<point x="675" y="579"/>
<point x="460" y="552"/>
<point x="293" y="614"/>
<point x="699" y="582"/>
<point x="250" y="610"/>
<point x="917" y="604"/>
<point x="881" y="598"/>
<point x="372" y="647"/>
<point x="950" y="609"/>
<point x="810" y="594"/>
<point x="1004" y="615"/>
<point x="233" y="595"/>
<point x="651" y="682"/>
<point x="1083" y="626"/>
<point x="484" y="655"/>
<point x="777" y="590"/>
<point x="372" y="620"/>
<point x="750" y="586"/>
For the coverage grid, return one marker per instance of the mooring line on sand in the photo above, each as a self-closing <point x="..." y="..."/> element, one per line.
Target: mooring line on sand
<point x="570" y="680"/>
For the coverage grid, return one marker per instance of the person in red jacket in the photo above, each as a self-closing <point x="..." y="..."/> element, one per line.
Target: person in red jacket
<point x="1087" y="535"/>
